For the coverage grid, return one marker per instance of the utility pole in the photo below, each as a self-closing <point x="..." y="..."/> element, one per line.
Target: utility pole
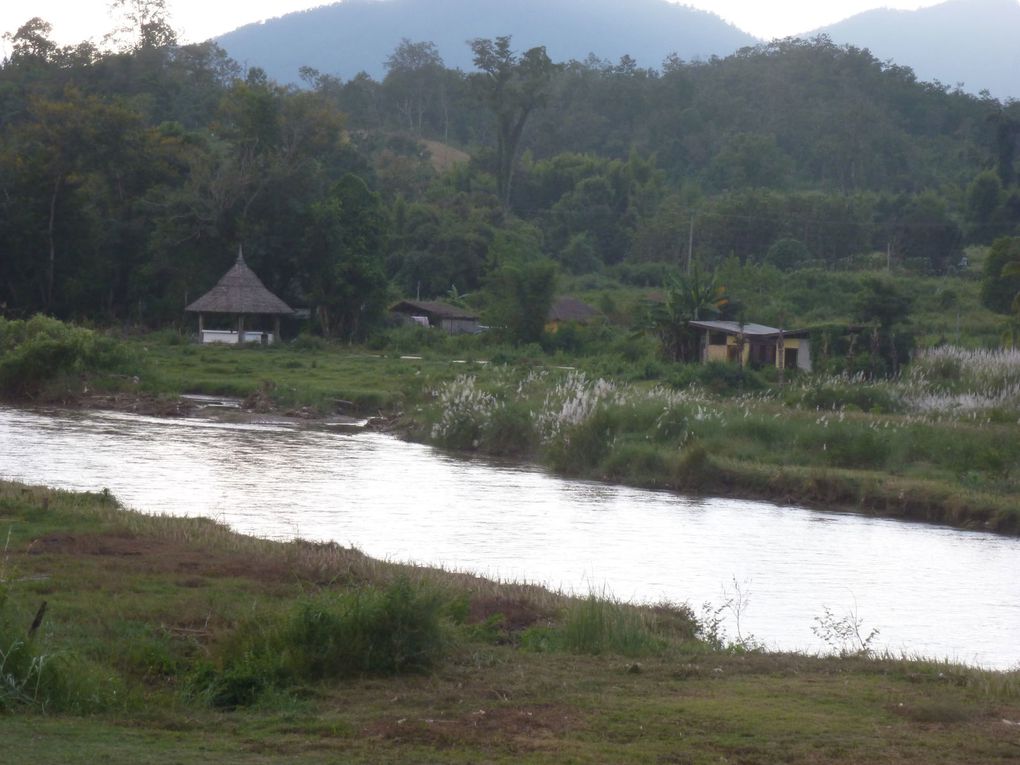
<point x="690" y="244"/>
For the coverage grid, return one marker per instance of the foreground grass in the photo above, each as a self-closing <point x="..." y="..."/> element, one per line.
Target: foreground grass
<point x="140" y="602"/>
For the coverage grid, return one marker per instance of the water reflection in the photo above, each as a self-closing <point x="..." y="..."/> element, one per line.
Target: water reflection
<point x="931" y="590"/>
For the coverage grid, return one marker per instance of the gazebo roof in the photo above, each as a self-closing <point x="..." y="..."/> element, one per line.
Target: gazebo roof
<point x="240" y="292"/>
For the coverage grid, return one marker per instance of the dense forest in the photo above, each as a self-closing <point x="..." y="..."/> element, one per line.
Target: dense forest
<point x="128" y="177"/>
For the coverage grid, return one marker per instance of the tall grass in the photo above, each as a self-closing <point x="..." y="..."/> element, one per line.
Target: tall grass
<point x="35" y="677"/>
<point x="599" y="624"/>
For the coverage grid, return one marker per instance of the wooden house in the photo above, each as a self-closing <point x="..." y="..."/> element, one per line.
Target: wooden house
<point x="753" y="345"/>
<point x="447" y="317"/>
<point x="243" y="298"/>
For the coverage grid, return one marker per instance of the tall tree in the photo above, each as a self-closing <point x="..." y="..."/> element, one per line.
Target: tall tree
<point x="414" y="82"/>
<point x="144" y="25"/>
<point x="342" y="266"/>
<point x="512" y="87"/>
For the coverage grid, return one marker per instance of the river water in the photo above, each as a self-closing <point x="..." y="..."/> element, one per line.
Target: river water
<point x="931" y="591"/>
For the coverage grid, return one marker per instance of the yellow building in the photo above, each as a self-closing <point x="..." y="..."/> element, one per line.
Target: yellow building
<point x="753" y="345"/>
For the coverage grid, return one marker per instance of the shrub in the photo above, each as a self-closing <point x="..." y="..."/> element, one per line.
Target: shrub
<point x="41" y="350"/>
<point x="866" y="397"/>
<point x="509" y="430"/>
<point x="366" y="632"/>
<point x="33" y="678"/>
<point x="643" y="462"/>
<point x="718" y="377"/>
<point x="585" y="445"/>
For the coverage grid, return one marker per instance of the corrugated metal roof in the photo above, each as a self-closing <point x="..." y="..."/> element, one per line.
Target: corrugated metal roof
<point x="432" y="308"/>
<point x="749" y="329"/>
<point x="240" y="291"/>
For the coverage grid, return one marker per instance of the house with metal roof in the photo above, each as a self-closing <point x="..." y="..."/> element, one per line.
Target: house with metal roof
<point x="242" y="297"/>
<point x="449" y="318"/>
<point x="754" y="345"/>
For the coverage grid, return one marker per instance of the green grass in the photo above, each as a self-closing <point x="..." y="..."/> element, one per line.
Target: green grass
<point x="148" y="602"/>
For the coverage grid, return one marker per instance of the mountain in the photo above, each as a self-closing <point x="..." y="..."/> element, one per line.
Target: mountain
<point x="973" y="42"/>
<point x="358" y="35"/>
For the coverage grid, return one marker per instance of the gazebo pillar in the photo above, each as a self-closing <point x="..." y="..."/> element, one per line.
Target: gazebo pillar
<point x="201" y="326"/>
<point x="276" y="328"/>
<point x="240" y="328"/>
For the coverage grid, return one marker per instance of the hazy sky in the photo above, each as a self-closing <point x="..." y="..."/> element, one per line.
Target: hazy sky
<point x="77" y="20"/>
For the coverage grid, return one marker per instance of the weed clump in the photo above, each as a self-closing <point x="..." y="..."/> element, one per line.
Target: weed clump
<point x="392" y="631"/>
<point x="36" y="679"/>
<point x="600" y="625"/>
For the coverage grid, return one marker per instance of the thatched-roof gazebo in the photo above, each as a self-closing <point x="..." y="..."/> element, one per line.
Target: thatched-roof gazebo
<point x="239" y="293"/>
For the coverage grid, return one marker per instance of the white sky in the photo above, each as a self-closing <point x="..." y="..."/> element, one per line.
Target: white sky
<point x="196" y="20"/>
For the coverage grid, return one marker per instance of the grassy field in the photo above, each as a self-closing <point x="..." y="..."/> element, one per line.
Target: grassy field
<point x="145" y="615"/>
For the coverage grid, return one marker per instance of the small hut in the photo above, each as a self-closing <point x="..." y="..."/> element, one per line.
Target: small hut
<point x="240" y="294"/>
<point x="447" y="317"/>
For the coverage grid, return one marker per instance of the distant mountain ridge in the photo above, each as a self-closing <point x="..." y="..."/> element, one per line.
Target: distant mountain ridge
<point x="973" y="42"/>
<point x="358" y="35"/>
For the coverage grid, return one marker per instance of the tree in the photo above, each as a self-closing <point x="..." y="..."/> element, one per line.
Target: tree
<point x="690" y="297"/>
<point x="787" y="254"/>
<point x="341" y="260"/>
<point x="144" y="26"/>
<point x="512" y="87"/>
<point x="520" y="295"/>
<point x="414" y="81"/>
<point x="1000" y="284"/>
<point x="985" y="196"/>
<point x="882" y="305"/>
<point x="921" y="230"/>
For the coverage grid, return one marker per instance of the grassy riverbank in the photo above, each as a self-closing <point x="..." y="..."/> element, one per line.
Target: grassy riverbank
<point x="176" y="638"/>
<point x="937" y="444"/>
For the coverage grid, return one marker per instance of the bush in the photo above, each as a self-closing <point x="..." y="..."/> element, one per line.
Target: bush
<point x="584" y="446"/>
<point x="39" y="351"/>
<point x="366" y="632"/>
<point x="718" y="377"/>
<point x="32" y="678"/>
<point x="859" y="395"/>
<point x="509" y="431"/>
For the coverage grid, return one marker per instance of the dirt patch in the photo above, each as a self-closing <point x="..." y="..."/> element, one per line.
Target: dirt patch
<point x="139" y="403"/>
<point x="443" y="156"/>
<point x="514" y="728"/>
<point x="151" y="555"/>
<point x="517" y="613"/>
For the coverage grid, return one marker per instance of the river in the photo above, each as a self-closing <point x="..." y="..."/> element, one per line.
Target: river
<point x="930" y="591"/>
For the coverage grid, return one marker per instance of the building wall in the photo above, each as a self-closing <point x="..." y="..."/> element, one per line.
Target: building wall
<point x="459" y="326"/>
<point x="728" y="352"/>
<point x="230" y="337"/>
